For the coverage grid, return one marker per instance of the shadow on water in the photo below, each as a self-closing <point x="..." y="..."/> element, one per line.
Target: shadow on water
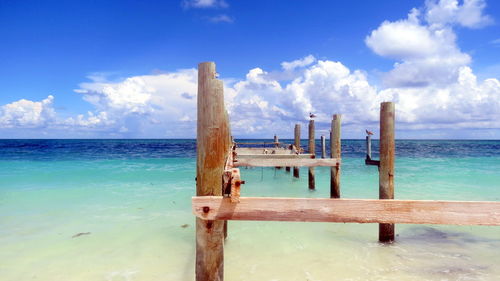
<point x="427" y="234"/>
<point x="453" y="255"/>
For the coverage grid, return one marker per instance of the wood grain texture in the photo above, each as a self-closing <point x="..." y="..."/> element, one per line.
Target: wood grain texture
<point x="274" y="156"/>
<point x="262" y="150"/>
<point x="335" y="152"/>
<point x="323" y="147"/>
<point x="235" y="185"/>
<point x="297" y="147"/>
<point x="386" y="168"/>
<point x="267" y="162"/>
<point x="212" y="144"/>
<point x="348" y="210"/>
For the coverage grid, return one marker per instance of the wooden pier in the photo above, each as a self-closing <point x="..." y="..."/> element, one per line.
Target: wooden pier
<point x="218" y="183"/>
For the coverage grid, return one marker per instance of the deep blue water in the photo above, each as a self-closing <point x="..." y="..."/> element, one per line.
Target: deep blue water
<point x="47" y="150"/>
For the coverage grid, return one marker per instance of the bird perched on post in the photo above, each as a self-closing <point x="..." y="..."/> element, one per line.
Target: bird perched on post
<point x="311" y="115"/>
<point x="368" y="132"/>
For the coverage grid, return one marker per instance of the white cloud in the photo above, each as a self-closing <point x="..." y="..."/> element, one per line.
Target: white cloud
<point x="291" y="65"/>
<point x="204" y="4"/>
<point x="27" y="114"/>
<point x="469" y="14"/>
<point x="425" y="45"/>
<point x="221" y="18"/>
<point x="432" y="84"/>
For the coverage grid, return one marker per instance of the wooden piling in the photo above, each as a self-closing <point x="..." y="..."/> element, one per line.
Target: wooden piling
<point x="335" y="148"/>
<point x="276" y="141"/>
<point x="312" y="150"/>
<point x="212" y="148"/>
<point x="297" y="146"/>
<point x="386" y="169"/>
<point x="323" y="147"/>
<point x="368" y="147"/>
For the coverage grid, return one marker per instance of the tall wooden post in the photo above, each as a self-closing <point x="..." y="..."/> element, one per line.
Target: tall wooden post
<point x="276" y="141"/>
<point x="386" y="171"/>
<point x="335" y="148"/>
<point x="312" y="150"/>
<point x="323" y="147"/>
<point x="297" y="146"/>
<point x="212" y="148"/>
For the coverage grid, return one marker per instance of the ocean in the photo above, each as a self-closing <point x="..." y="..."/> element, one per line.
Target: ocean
<point x="121" y="210"/>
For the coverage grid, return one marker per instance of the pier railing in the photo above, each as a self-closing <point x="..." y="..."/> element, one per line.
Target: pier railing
<point x="218" y="183"/>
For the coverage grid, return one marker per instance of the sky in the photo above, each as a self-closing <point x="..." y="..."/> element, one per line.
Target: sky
<point x="128" y="69"/>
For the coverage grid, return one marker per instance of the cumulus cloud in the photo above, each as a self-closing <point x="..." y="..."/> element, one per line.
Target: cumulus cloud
<point x="469" y="14"/>
<point x="27" y="114"/>
<point x="426" y="52"/>
<point x="431" y="83"/>
<point x="143" y="104"/>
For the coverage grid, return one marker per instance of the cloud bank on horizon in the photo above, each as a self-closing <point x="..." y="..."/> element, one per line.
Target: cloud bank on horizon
<point x="431" y="83"/>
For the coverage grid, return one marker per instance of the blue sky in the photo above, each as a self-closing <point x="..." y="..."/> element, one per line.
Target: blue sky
<point x="106" y="69"/>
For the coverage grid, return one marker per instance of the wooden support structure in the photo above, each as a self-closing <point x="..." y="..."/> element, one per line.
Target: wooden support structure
<point x="348" y="210"/>
<point x="368" y="158"/>
<point x="297" y="162"/>
<point x="335" y="152"/>
<point x="323" y="147"/>
<point x="243" y="157"/>
<point x="213" y="146"/>
<point x="218" y="183"/>
<point x="312" y="150"/>
<point x="369" y="147"/>
<point x="297" y="146"/>
<point x="386" y="168"/>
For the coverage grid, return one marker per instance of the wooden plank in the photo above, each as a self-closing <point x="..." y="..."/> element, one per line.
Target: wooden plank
<point x="212" y="149"/>
<point x="335" y="151"/>
<point x="348" y="210"/>
<point x="275" y="156"/>
<point x="312" y="150"/>
<point x="329" y="162"/>
<point x="386" y="168"/>
<point x="262" y="150"/>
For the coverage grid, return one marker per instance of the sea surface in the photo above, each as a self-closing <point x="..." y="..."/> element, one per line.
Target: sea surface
<point x="121" y="210"/>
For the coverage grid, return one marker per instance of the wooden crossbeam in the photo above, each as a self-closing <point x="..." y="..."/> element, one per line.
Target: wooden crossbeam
<point x="348" y="210"/>
<point x="300" y="162"/>
<point x="274" y="156"/>
<point x="261" y="150"/>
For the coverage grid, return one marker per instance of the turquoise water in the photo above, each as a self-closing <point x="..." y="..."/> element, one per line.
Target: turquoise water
<point x="130" y="201"/>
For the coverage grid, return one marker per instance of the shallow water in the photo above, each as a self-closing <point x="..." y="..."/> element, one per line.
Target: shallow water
<point x="130" y="202"/>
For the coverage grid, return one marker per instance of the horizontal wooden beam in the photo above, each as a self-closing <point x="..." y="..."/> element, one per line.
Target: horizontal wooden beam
<point x="275" y="156"/>
<point x="262" y="150"/>
<point x="328" y="162"/>
<point x="348" y="210"/>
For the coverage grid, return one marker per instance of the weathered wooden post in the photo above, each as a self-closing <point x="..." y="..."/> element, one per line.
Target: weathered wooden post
<point x="386" y="170"/>
<point x="276" y="141"/>
<point x="212" y="148"/>
<point x="335" y="152"/>
<point x="312" y="150"/>
<point x="368" y="147"/>
<point x="297" y="146"/>
<point x="323" y="147"/>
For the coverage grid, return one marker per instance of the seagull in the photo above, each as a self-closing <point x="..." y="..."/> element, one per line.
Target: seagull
<point x="368" y="132"/>
<point x="311" y="115"/>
